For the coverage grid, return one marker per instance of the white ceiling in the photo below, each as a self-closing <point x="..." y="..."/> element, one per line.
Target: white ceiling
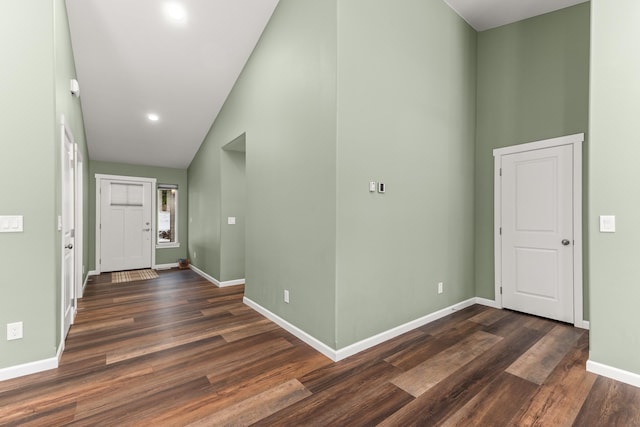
<point x="132" y="60"/>
<point x="485" y="14"/>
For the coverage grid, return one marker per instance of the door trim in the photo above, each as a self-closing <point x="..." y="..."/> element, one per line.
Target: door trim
<point x="576" y="141"/>
<point x="100" y="177"/>
<point x="65" y="132"/>
<point x="79" y="220"/>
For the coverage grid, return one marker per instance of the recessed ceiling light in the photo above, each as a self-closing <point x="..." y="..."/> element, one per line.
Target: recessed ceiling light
<point x="153" y="117"/>
<point x="175" y="11"/>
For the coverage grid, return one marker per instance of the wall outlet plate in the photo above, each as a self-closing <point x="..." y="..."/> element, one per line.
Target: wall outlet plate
<point x="14" y="331"/>
<point x="440" y="287"/>
<point x="286" y="296"/>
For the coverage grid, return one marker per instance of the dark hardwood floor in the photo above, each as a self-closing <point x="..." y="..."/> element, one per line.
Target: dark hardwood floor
<point x="178" y="351"/>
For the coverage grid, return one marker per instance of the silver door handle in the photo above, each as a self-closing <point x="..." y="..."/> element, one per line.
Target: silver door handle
<point x="69" y="246"/>
<point x="565" y="242"/>
<point x="146" y="229"/>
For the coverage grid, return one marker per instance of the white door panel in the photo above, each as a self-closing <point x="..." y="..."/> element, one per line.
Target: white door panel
<point x="537" y="216"/>
<point x="68" y="231"/>
<point x="125" y="230"/>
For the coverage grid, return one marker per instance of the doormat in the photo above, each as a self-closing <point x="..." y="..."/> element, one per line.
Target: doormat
<point x="132" y="276"/>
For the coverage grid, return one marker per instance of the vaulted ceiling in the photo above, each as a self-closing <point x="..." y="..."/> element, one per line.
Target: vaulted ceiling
<point x="154" y="74"/>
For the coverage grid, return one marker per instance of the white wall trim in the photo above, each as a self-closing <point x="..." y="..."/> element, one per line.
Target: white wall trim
<point x="30" y="368"/>
<point x="613" y="373"/>
<point x="583" y="325"/>
<point x="343" y="353"/>
<point x="312" y="341"/>
<point x="232" y="283"/>
<point x="93" y="273"/>
<point x="366" y="343"/>
<point x="576" y="141"/>
<point x="488" y="302"/>
<point x="165" y="266"/>
<point x="216" y="281"/>
<point x="84" y="285"/>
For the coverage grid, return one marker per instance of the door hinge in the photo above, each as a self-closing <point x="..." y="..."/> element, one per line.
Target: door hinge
<point x="500" y="290"/>
<point x="501" y="231"/>
<point x="500" y="171"/>
<point x="100" y="262"/>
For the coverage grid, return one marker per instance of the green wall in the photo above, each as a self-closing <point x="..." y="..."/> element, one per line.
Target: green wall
<point x="285" y="102"/>
<point x="37" y="66"/>
<point x="533" y="84"/>
<point x="406" y="117"/>
<point x="233" y="172"/>
<point x="613" y="186"/>
<point x="163" y="176"/>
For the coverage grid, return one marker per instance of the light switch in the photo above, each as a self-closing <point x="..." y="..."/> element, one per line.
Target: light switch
<point x="231" y="220"/>
<point x="373" y="186"/>
<point x="607" y="223"/>
<point x="11" y="224"/>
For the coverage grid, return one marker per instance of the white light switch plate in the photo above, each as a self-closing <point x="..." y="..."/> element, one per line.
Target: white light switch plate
<point x="607" y="223"/>
<point x="231" y="220"/>
<point x="11" y="224"/>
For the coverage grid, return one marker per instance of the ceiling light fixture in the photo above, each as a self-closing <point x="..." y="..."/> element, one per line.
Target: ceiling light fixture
<point x="153" y="117"/>
<point x="175" y="11"/>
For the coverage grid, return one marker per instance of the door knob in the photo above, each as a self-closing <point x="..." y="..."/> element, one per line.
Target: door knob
<point x="69" y="246"/>
<point x="146" y="229"/>
<point x="565" y="242"/>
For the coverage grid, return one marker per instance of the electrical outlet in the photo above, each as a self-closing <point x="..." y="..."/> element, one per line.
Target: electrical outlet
<point x="440" y="287"/>
<point x="286" y="296"/>
<point x="14" y="331"/>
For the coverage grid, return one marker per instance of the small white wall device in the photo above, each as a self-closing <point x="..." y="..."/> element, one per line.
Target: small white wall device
<point x="75" y="88"/>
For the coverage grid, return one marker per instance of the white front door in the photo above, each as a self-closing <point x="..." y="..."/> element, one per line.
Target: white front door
<point x="68" y="230"/>
<point x="537" y="232"/>
<point x="126" y="225"/>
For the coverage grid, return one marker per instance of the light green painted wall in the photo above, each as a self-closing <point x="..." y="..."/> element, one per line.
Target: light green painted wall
<point x="37" y="60"/>
<point x="614" y="177"/>
<point x="163" y="176"/>
<point x="533" y="84"/>
<point x="285" y="101"/>
<point x="234" y="204"/>
<point x="406" y="117"/>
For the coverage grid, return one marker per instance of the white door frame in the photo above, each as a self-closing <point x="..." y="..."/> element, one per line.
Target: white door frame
<point x="576" y="141"/>
<point x="135" y="179"/>
<point x="65" y="132"/>
<point x="79" y="236"/>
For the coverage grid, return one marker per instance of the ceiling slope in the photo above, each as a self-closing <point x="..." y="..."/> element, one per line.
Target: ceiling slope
<point x="486" y="14"/>
<point x="132" y="60"/>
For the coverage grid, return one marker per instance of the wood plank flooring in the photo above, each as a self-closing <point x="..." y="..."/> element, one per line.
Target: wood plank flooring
<point x="178" y="351"/>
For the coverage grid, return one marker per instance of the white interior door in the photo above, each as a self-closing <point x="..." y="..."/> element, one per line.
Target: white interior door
<point x="68" y="231"/>
<point x="537" y="232"/>
<point x="126" y="225"/>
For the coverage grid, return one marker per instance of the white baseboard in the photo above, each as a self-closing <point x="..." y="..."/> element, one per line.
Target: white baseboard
<point x="583" y="325"/>
<point x="93" y="273"/>
<point x="216" y="281"/>
<point x="366" y="343"/>
<point x="613" y="373"/>
<point x="165" y="266"/>
<point x="343" y="353"/>
<point x="488" y="303"/>
<point x="30" y="368"/>
<point x="294" y="330"/>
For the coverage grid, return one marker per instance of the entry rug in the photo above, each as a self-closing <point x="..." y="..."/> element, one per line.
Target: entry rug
<point x="132" y="276"/>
